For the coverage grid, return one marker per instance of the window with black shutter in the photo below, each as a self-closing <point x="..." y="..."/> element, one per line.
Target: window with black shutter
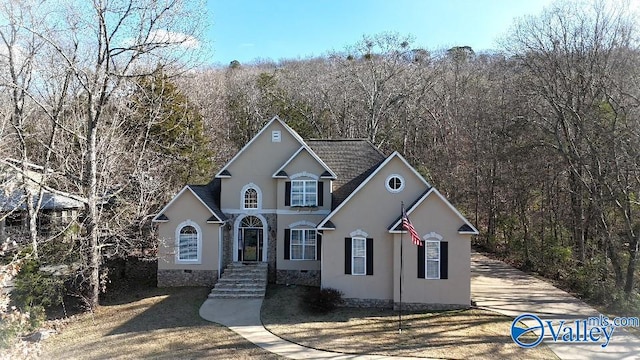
<point x="358" y="256"/>
<point x="433" y="260"/>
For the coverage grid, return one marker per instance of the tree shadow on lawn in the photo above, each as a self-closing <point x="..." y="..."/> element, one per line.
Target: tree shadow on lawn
<point x="178" y="309"/>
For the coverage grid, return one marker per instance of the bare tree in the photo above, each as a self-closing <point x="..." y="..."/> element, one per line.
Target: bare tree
<point x="100" y="45"/>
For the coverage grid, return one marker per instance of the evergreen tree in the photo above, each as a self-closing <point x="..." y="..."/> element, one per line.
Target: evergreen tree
<point x="174" y="127"/>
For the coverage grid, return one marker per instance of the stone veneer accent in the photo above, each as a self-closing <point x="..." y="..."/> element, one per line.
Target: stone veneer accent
<point x="169" y="278"/>
<point x="368" y="303"/>
<point x="229" y="238"/>
<point x="420" y="307"/>
<point x="298" y="277"/>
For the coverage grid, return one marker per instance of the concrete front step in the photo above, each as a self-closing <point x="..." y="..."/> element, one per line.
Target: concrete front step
<point x="235" y="296"/>
<point x="241" y="281"/>
<point x="239" y="286"/>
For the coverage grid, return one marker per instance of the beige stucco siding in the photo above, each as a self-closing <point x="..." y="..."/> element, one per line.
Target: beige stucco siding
<point x="187" y="207"/>
<point x="284" y="221"/>
<point x="371" y="210"/>
<point x="304" y="162"/>
<point x="433" y="215"/>
<point x="257" y="164"/>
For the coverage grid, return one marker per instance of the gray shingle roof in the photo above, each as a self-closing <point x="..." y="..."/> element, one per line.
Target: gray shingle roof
<point x="16" y="200"/>
<point x="210" y="195"/>
<point x="353" y="160"/>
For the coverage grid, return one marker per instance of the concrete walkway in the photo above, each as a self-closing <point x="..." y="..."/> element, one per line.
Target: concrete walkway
<point x="498" y="287"/>
<point x="243" y="317"/>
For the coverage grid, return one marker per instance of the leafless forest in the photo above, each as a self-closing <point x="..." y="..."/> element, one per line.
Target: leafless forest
<point x="538" y="143"/>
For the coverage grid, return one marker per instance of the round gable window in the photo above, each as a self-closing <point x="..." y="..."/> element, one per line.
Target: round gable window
<point x="394" y="183"/>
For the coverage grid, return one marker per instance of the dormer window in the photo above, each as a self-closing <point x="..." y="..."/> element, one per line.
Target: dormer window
<point x="304" y="193"/>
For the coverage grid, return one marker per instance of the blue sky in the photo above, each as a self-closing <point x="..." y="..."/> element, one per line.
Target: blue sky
<point x="245" y="30"/>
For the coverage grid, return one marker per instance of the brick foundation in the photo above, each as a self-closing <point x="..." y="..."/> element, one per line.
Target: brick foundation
<point x="298" y="277"/>
<point x="170" y="278"/>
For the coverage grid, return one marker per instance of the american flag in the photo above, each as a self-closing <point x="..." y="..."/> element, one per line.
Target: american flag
<point x="407" y="225"/>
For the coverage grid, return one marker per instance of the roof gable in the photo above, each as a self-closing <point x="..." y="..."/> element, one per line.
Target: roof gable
<point x="371" y="175"/>
<point x="466" y="228"/>
<point x="205" y="194"/>
<point x="305" y="148"/>
<point x="224" y="172"/>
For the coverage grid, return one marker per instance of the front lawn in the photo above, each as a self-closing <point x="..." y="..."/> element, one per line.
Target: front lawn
<point x="159" y="324"/>
<point x="467" y="334"/>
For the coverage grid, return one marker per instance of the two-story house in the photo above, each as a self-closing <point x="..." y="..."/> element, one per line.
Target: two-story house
<point x="323" y="213"/>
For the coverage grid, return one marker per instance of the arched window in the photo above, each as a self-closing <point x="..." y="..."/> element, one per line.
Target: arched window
<point x="251" y="222"/>
<point x="188" y="238"/>
<point x="251" y="199"/>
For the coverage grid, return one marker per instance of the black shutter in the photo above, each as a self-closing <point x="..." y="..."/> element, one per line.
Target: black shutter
<point x="347" y="256"/>
<point x="318" y="245"/>
<point x="369" y="256"/>
<point x="421" y="250"/>
<point x="444" y="260"/>
<point x="320" y="193"/>
<point x="287" y="193"/>
<point x="287" y="244"/>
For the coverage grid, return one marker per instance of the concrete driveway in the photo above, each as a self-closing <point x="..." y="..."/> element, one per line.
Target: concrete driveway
<point x="499" y="287"/>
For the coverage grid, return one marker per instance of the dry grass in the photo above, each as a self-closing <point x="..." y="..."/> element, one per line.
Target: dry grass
<point x="160" y="324"/>
<point x="469" y="334"/>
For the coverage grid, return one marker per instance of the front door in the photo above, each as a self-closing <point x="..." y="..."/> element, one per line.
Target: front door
<point x="251" y="248"/>
<point x="250" y="239"/>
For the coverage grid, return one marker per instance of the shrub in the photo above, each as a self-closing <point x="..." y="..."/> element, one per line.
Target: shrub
<point x="321" y="300"/>
<point x="35" y="288"/>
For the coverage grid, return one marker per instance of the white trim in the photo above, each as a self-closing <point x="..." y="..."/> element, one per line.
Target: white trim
<point x="180" y="226"/>
<point x="302" y="223"/>
<point x="313" y="155"/>
<point x="358" y="233"/>
<point x="432" y="235"/>
<point x="373" y="174"/>
<point x="304" y="174"/>
<point x="177" y="196"/>
<point x="435" y="191"/>
<point x="295" y="211"/>
<point x="391" y="190"/>
<point x="426" y="260"/>
<point x="259" y="194"/>
<point x="265" y="235"/>
<point x="352" y="256"/>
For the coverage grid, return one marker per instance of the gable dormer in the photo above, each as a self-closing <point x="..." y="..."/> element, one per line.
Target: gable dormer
<point x="304" y="160"/>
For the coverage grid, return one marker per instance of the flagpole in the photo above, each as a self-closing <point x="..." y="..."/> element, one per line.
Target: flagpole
<point x="400" y="306"/>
